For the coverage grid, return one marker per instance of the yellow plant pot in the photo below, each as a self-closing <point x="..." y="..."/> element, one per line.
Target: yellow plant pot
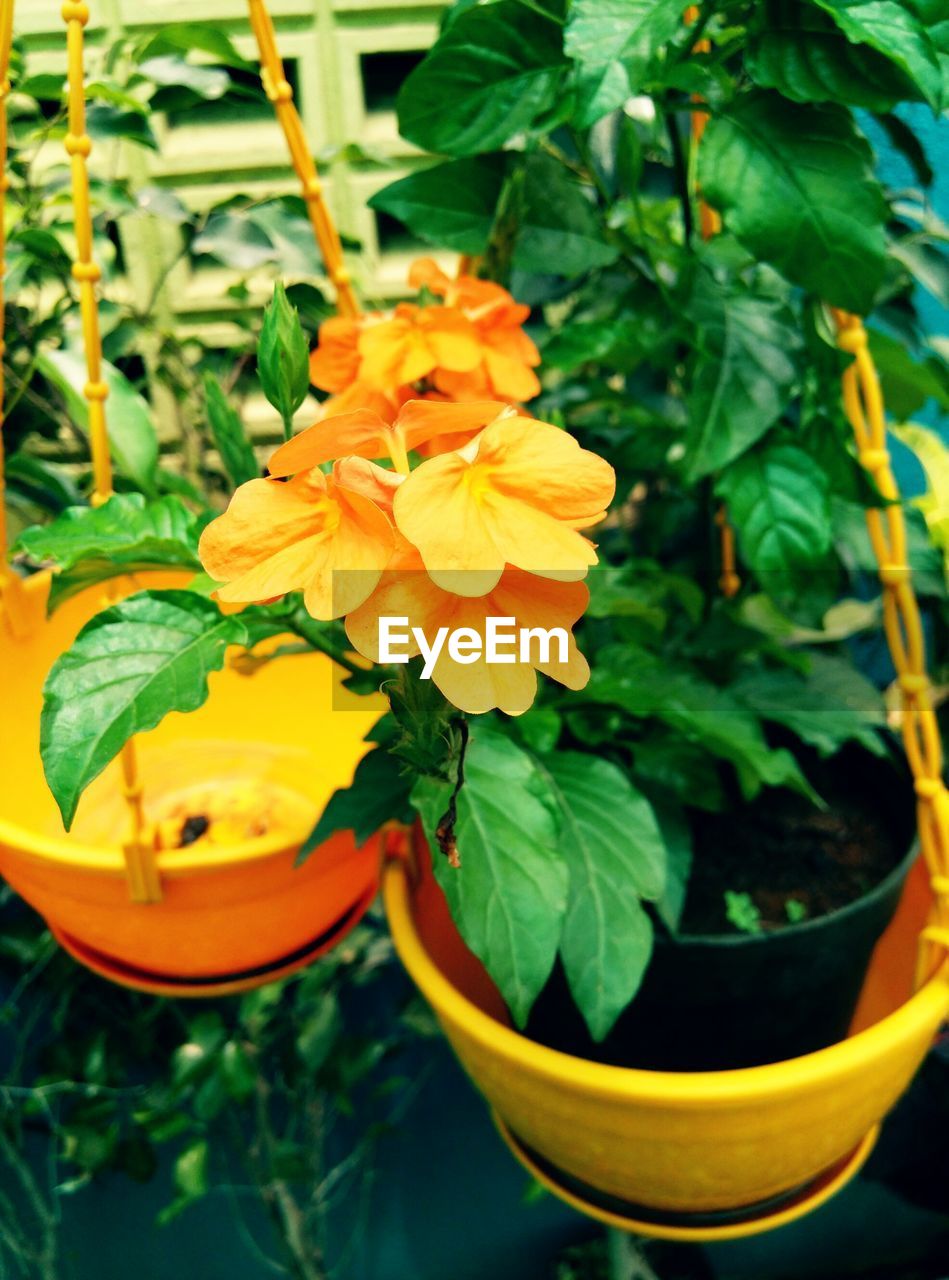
<point x="264" y="754"/>
<point x="689" y="1156"/>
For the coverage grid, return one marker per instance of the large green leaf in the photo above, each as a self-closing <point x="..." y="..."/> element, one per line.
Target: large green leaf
<point x="796" y="186"/>
<point x="509" y="896"/>
<point x="451" y="205"/>
<point x="494" y="71"/>
<point x="778" y="501"/>
<point x="125" y="535"/>
<point x="132" y="438"/>
<point x="612" y="844"/>
<point x="800" y="51"/>
<point x="614" y="43"/>
<point x="560" y="230"/>
<point x="894" y="30"/>
<point x="645" y="686"/>
<point x="829" y="704"/>
<point x="746" y="367"/>
<point x="127" y="668"/>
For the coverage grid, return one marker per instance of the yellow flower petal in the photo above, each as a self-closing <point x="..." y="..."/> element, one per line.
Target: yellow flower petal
<point x="362" y="432"/>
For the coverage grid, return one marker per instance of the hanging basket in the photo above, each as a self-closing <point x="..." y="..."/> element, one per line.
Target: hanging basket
<point x="256" y="764"/>
<point x="685" y="1156"/>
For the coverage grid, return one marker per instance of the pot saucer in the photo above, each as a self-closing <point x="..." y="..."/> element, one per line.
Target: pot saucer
<point x="704" y="1228"/>
<point x="161" y="984"/>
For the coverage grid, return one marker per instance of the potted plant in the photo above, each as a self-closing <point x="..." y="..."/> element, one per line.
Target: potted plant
<point x="567" y="826"/>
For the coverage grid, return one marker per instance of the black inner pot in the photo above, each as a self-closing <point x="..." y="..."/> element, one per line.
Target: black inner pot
<point x="721" y="1000"/>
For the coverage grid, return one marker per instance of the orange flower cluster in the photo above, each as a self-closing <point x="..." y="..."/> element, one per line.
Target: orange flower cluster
<point x="471" y="346"/>
<point x="487" y="530"/>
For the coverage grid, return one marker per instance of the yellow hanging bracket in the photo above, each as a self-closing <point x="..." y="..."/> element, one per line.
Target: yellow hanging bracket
<point x="280" y="93"/>
<point x="144" y="883"/>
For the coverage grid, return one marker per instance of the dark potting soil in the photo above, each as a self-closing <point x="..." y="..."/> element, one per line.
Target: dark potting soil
<point x="782" y="848"/>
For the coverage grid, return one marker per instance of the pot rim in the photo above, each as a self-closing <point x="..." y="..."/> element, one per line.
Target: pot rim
<point x="802" y="927"/>
<point x="736" y="1088"/>
<point x="109" y="861"/>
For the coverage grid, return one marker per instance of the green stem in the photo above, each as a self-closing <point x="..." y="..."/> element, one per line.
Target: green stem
<point x="287" y="425"/>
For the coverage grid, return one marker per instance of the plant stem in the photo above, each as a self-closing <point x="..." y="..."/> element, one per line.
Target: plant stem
<point x="287" y="425"/>
<point x="681" y="171"/>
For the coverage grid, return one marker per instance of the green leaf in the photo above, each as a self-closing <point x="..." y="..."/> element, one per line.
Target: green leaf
<point x="509" y="896"/>
<point x="283" y="356"/>
<point x="490" y="75"/>
<point x="452" y="205"/>
<point x="746" y="367"/>
<point x="614" y="43"/>
<point x="105" y="123"/>
<point x="645" y="686"/>
<point x="378" y="793"/>
<point x="132" y="439"/>
<point x="796" y="186"/>
<point x="203" y="37"/>
<point x="128" y="667"/>
<point x="892" y="28"/>
<point x="800" y="51"/>
<point x="830" y="704"/>
<point x="778" y="502"/>
<point x="237" y="452"/>
<point x="319" y="1033"/>
<point x="235" y="240"/>
<point x="191" y="1170"/>
<point x="677" y="837"/>
<point x="125" y="535"/>
<point x="209" y="83"/>
<point x="560" y="229"/>
<point x="612" y="845"/>
<point x="907" y="383"/>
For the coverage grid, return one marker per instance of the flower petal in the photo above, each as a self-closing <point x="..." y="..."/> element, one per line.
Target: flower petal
<point x="334" y="363"/>
<point x="262" y="518"/>
<point x="363" y="433"/>
<point x="372" y="481"/>
<point x="546" y="468"/>
<point x="436" y="509"/>
<point x="422" y="420"/>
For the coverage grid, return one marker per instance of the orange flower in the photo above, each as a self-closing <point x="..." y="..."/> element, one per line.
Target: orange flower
<point x="414" y="343"/>
<point x="478" y="686"/>
<point x="517" y="494"/>
<point x="508" y="354"/>
<point x="367" y="435"/>
<point x="280" y="536"/>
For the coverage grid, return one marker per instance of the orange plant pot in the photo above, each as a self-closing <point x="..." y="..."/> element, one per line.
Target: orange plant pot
<point x="232" y="915"/>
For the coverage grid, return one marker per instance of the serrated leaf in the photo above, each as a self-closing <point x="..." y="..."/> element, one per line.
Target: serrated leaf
<point x="800" y="51"/>
<point x="126" y="534"/>
<point x="492" y="73"/>
<point x="614" y="43"/>
<point x="237" y="452"/>
<point x="451" y="205"/>
<point x="128" y="667"/>
<point x="133" y="442"/>
<point x="796" y="186"/>
<point x="778" y="502"/>
<point x="378" y="793"/>
<point x="826" y="706"/>
<point x="746" y="367"/>
<point x="612" y="845"/>
<point x="894" y="30"/>
<point x="509" y="896"/>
